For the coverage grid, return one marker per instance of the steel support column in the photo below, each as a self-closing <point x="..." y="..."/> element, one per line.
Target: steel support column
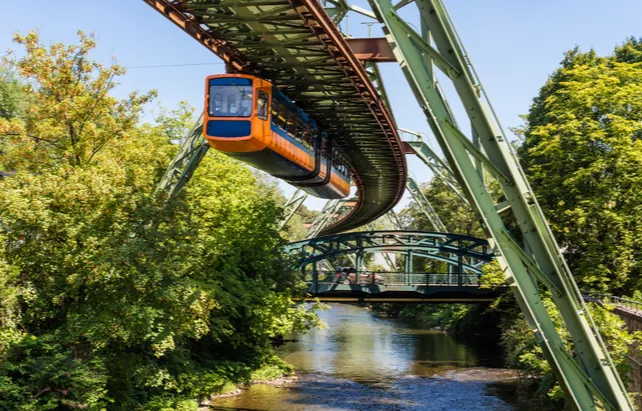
<point x="589" y="373"/>
<point x="291" y="207"/>
<point x="189" y="156"/>
<point x="434" y="162"/>
<point x="425" y="206"/>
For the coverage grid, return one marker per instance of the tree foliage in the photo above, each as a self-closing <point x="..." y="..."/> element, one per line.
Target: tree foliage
<point x="453" y="212"/>
<point x="12" y="98"/>
<point x="583" y="155"/>
<point x="111" y="298"/>
<point x="582" y="152"/>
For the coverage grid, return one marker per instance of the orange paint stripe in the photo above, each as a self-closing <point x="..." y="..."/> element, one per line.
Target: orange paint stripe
<point x="292" y="152"/>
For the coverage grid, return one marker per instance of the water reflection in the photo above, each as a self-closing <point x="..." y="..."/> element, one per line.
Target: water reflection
<point x="364" y="362"/>
<point x="362" y="347"/>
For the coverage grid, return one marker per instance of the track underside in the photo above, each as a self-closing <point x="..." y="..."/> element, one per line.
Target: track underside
<point x="296" y="46"/>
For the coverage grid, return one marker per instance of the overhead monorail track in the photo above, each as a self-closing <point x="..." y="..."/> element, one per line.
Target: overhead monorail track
<point x="295" y="45"/>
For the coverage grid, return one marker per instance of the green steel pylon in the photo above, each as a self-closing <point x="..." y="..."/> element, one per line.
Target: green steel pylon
<point x="322" y="219"/>
<point x="588" y="374"/>
<point x="434" y="162"/>
<point x="427" y="208"/>
<point x="189" y="156"/>
<point x="392" y="266"/>
<point x="290" y="208"/>
<point x="395" y="220"/>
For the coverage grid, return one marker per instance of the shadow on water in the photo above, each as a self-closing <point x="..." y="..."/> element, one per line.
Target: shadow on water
<point x="365" y="362"/>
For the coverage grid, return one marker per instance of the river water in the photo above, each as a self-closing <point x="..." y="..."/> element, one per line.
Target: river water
<point x="366" y="362"/>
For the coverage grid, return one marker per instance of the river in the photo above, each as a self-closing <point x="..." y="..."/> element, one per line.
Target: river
<point x="366" y="362"/>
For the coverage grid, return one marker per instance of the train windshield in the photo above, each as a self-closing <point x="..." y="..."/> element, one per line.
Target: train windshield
<point x="230" y="97"/>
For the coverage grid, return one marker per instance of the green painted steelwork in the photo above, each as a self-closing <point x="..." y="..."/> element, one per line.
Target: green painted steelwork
<point x="443" y="247"/>
<point x="189" y="156"/>
<point x="290" y="208"/>
<point x="329" y="210"/>
<point x="395" y="220"/>
<point x="295" y="45"/>
<point x="425" y="206"/>
<point x="463" y="282"/>
<point x="289" y="52"/>
<point x="587" y="373"/>
<point x="434" y="162"/>
<point x="368" y="286"/>
<point x="392" y="265"/>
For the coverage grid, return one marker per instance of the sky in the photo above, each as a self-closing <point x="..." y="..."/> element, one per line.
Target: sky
<point x="514" y="45"/>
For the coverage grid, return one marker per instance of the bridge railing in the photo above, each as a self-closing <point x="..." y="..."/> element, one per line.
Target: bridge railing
<point x="392" y="278"/>
<point x="625" y="303"/>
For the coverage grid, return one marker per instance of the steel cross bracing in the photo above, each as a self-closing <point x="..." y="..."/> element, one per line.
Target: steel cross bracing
<point x="395" y="220"/>
<point x="330" y="209"/>
<point x="390" y="263"/>
<point x="468" y="253"/>
<point x="425" y="206"/>
<point x="293" y="204"/>
<point x="297" y="46"/>
<point x="189" y="156"/>
<point x="586" y="373"/>
<point x="434" y="162"/>
<point x="465" y="255"/>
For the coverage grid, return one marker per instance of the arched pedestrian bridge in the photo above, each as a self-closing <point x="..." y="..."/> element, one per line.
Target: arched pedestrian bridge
<point x="453" y="261"/>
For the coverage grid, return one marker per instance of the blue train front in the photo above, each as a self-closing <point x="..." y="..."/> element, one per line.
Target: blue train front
<point x="251" y="120"/>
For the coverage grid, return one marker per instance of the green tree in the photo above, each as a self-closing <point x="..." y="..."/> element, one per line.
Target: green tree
<point x="111" y="298"/>
<point x="523" y="352"/>
<point x="73" y="116"/>
<point x="11" y="94"/>
<point x="456" y="215"/>
<point x="583" y="156"/>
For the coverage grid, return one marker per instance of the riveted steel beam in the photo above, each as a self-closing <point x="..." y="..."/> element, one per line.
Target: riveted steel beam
<point x="437" y="246"/>
<point x="372" y="49"/>
<point x="292" y="206"/>
<point x="268" y="38"/>
<point x="417" y="59"/>
<point x="189" y="156"/>
<point x="425" y="206"/>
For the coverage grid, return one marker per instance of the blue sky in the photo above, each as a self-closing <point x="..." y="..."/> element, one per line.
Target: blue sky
<point x="514" y="45"/>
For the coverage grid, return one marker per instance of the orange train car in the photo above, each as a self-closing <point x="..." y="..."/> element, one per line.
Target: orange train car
<point x="248" y="118"/>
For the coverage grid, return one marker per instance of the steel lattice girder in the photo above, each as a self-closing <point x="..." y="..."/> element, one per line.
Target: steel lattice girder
<point x="423" y="244"/>
<point x="290" y="208"/>
<point x="296" y="45"/>
<point x="189" y="156"/>
<point x="588" y="373"/>
<point x="418" y="195"/>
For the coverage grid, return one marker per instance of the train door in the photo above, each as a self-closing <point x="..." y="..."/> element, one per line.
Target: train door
<point x="263" y="110"/>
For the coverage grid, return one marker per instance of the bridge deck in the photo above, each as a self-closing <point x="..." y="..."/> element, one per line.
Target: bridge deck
<point x="380" y="293"/>
<point x="295" y="45"/>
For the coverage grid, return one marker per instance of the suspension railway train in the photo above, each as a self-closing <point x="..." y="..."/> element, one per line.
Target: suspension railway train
<point x="250" y="119"/>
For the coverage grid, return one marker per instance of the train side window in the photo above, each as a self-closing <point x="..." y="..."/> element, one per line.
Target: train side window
<point x="314" y="135"/>
<point x="306" y="136"/>
<point x="283" y="119"/>
<point x="262" y="109"/>
<point x="299" y="130"/>
<point x="291" y="124"/>
<point x="275" y="112"/>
